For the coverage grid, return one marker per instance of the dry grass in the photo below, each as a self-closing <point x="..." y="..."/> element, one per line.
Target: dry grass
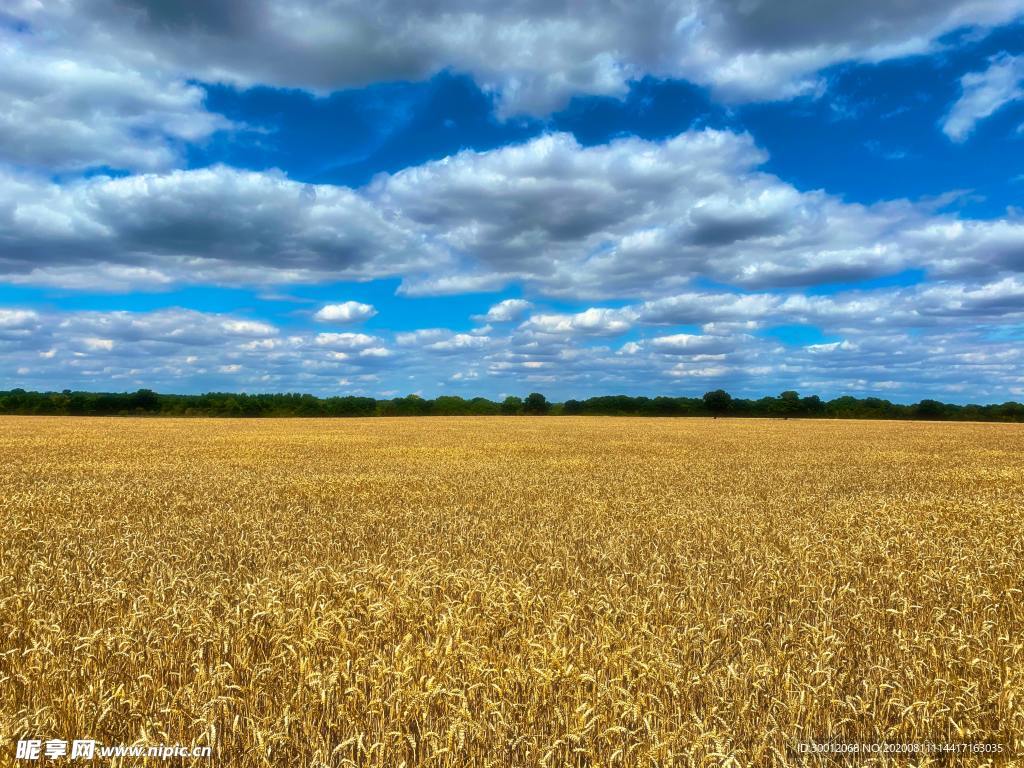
<point x="510" y="591"/>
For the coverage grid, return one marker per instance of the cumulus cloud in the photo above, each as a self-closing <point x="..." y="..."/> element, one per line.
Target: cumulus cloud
<point x="951" y="339"/>
<point x="506" y="311"/>
<point x="176" y="349"/>
<point x="457" y="342"/>
<point x="534" y="55"/>
<point x="345" y="340"/>
<point x="631" y="218"/>
<point x="985" y="93"/>
<point x="67" y="107"/>
<point x="595" y="321"/>
<point x="210" y="225"/>
<point x="452" y="284"/>
<point x="442" y="340"/>
<point x="17" y="318"/>
<point x="117" y="83"/>
<point x="422" y="336"/>
<point x="181" y="327"/>
<point x="831" y="347"/>
<point x="691" y="344"/>
<point x="926" y="304"/>
<point x="120" y="83"/>
<point x="346" y="312"/>
<point x="637" y="217"/>
<point x="95" y="344"/>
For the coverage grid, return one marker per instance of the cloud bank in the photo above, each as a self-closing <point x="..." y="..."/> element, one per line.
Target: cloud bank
<point x="631" y="218"/>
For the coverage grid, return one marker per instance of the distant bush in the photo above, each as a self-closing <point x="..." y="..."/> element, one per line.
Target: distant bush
<point x="718" y="402"/>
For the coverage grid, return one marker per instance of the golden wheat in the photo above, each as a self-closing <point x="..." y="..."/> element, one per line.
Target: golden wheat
<point x="511" y="592"/>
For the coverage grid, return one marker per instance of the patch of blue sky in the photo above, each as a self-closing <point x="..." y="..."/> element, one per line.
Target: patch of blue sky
<point x="878" y="136"/>
<point x="1005" y="333"/>
<point x="348" y="137"/>
<point x="797" y="335"/>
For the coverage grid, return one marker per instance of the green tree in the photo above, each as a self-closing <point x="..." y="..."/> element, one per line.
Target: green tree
<point x="481" y="406"/>
<point x="449" y="405"/>
<point x="572" y="408"/>
<point x="929" y="409"/>
<point x="717" y="401"/>
<point x="789" y="403"/>
<point x="512" y="405"/>
<point x="536" y="404"/>
<point x="812" y="405"/>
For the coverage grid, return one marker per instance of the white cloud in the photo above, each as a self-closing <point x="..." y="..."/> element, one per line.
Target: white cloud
<point x="533" y="55"/>
<point x="346" y="312"/>
<point x="984" y="93"/>
<point x="594" y="321"/>
<point x="163" y="329"/>
<point x="98" y="344"/>
<point x="695" y="370"/>
<point x="345" y="340"/>
<point x="690" y="344"/>
<point x="422" y="336"/>
<point x="451" y="285"/>
<point x="17" y="318"/>
<point x="952" y="339"/>
<point x="633" y="217"/>
<point x="928" y="304"/>
<point x="831" y="347"/>
<point x="215" y="225"/>
<point x="100" y="278"/>
<point x="248" y="328"/>
<point x="458" y="342"/>
<point x="116" y="84"/>
<point x="506" y="311"/>
<point x="264" y="344"/>
<point x="441" y="340"/>
<point x="66" y="106"/>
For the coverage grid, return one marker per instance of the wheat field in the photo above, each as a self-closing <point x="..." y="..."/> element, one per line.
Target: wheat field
<point x="512" y="591"/>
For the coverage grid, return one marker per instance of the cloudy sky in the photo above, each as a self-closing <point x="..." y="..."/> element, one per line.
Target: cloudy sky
<point x="482" y="198"/>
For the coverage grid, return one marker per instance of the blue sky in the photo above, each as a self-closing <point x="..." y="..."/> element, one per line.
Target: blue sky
<point x="661" y="198"/>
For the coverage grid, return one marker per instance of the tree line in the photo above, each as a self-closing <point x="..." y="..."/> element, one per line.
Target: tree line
<point x="789" y="404"/>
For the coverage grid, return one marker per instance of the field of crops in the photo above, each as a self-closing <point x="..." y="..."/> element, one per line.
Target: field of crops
<point x="511" y="591"/>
